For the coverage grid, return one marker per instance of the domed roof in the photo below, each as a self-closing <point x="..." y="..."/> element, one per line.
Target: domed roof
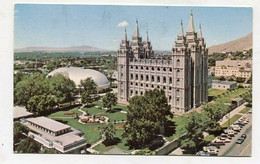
<point x="77" y="74"/>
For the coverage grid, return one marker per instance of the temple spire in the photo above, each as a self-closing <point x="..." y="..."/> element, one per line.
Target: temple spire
<point x="181" y="30"/>
<point x="147" y="36"/>
<point x="200" y="32"/>
<point x="125" y="35"/>
<point x="191" y="23"/>
<point x="136" y="33"/>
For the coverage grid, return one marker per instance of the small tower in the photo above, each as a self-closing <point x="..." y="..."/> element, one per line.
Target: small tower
<point x="181" y="101"/>
<point x="123" y="55"/>
<point x="137" y="44"/>
<point x="147" y="47"/>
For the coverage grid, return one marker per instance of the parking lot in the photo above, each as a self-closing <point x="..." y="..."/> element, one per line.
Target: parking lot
<point x="235" y="141"/>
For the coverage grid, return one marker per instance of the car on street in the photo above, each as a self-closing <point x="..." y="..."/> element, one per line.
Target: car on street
<point x="202" y="153"/>
<point x="240" y="140"/>
<point x="243" y="136"/>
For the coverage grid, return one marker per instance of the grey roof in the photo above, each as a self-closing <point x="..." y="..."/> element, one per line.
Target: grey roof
<point x="77" y="74"/>
<point x="20" y="112"/>
<point x="223" y="82"/>
<point x="237" y="99"/>
<point x="48" y="123"/>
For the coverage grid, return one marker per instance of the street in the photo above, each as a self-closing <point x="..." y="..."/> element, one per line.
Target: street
<point x="244" y="149"/>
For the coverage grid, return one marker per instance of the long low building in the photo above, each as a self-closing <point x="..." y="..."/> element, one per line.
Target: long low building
<point x="53" y="134"/>
<point x="217" y="84"/>
<point x="20" y="112"/>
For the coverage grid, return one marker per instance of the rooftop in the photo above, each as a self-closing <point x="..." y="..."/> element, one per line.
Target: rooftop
<point x="223" y="82"/>
<point x="20" y="112"/>
<point x="48" y="123"/>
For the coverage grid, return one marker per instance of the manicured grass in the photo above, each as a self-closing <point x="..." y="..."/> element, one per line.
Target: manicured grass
<point x="232" y="120"/>
<point x="180" y="123"/>
<point x="118" y="116"/>
<point x="216" y="92"/>
<point x="123" y="107"/>
<point x="61" y="113"/>
<point x="245" y="110"/>
<point x="90" y="131"/>
<point x="209" y="138"/>
<point x="234" y="94"/>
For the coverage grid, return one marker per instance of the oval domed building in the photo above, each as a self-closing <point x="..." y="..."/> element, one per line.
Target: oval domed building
<point x="77" y="74"/>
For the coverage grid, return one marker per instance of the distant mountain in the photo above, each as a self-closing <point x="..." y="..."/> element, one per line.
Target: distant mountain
<point x="60" y="49"/>
<point x="240" y="44"/>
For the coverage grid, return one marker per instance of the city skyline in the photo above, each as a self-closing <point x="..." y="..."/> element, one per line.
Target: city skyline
<point x="103" y="26"/>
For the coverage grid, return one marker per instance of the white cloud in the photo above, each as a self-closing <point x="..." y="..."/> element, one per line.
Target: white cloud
<point x="122" y="24"/>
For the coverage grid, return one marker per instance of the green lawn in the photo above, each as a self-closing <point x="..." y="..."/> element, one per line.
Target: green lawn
<point x="90" y="130"/>
<point x="234" y="94"/>
<point x="61" y="113"/>
<point x="245" y="110"/>
<point x="180" y="122"/>
<point x="232" y="120"/>
<point x="209" y="138"/>
<point x="216" y="92"/>
<point x="123" y="107"/>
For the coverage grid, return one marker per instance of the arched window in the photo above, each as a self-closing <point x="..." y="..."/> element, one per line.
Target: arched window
<point x="152" y="68"/>
<point x="131" y="67"/>
<point x="177" y="101"/>
<point x="136" y="67"/>
<point x="136" y="92"/>
<point x="164" y="87"/>
<point x="131" y="83"/>
<point x="141" y="84"/>
<point x="152" y="78"/>
<point x="178" y="82"/>
<point x="170" y="80"/>
<point x="178" y="73"/>
<point x="164" y="69"/>
<point x="136" y="77"/>
<point x="142" y="67"/>
<point x="177" y="92"/>
<point x="170" y="97"/>
<point x="136" y="84"/>
<point x="142" y="77"/>
<point x="158" y="79"/>
<point x="158" y="69"/>
<point x="141" y="92"/>
<point x="146" y="85"/>
<point x="147" y="78"/>
<point x="170" y="88"/>
<point x="178" y="63"/>
<point x="158" y="86"/>
<point x="131" y="76"/>
<point x="164" y="79"/>
<point x="147" y="68"/>
<point x="152" y="86"/>
<point x="170" y="69"/>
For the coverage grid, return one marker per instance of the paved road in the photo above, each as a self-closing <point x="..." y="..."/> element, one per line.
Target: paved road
<point x="244" y="149"/>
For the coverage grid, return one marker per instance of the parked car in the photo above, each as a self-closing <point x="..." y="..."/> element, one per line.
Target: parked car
<point x="243" y="136"/>
<point x="240" y="140"/>
<point x="212" y="150"/>
<point x="202" y="153"/>
<point x="225" y="140"/>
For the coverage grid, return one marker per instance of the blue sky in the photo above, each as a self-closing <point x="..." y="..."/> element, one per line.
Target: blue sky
<point x="103" y="26"/>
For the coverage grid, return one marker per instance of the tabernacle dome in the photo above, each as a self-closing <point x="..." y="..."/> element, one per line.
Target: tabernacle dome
<point x="77" y="74"/>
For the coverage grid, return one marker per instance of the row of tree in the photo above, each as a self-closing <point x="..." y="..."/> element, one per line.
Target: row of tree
<point x="40" y="94"/>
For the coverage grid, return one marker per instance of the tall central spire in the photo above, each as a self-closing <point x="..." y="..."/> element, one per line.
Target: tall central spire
<point x="136" y="33"/>
<point x="147" y="36"/>
<point x="200" y="32"/>
<point x="125" y="36"/>
<point x="181" y="30"/>
<point x="191" y="23"/>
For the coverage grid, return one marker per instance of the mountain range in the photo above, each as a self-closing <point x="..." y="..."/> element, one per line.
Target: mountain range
<point x="81" y="49"/>
<point x="240" y="44"/>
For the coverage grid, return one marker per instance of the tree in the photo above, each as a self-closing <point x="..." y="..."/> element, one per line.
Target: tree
<point x="41" y="104"/>
<point x="62" y="88"/>
<point x="248" y="98"/>
<point x="89" y="85"/>
<point x="146" y="114"/>
<point x="18" y="130"/>
<point x="194" y="127"/>
<point x="29" y="86"/>
<point x="109" y="100"/>
<point x="29" y="146"/>
<point x="145" y="152"/>
<point x="86" y="97"/>
<point x="107" y="132"/>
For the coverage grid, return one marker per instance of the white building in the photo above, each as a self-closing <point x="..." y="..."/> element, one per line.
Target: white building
<point x="217" y="84"/>
<point x="53" y="134"/>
